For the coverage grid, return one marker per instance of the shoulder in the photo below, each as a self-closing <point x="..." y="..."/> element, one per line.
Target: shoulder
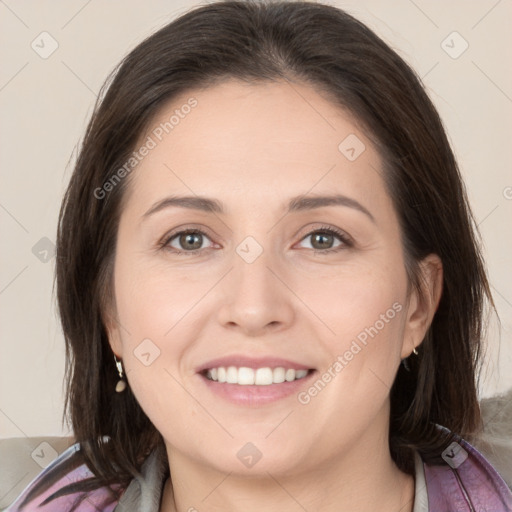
<point x="466" y="481"/>
<point x="58" y="488"/>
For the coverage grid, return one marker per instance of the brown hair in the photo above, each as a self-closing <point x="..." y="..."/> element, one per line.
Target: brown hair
<point x="262" y="41"/>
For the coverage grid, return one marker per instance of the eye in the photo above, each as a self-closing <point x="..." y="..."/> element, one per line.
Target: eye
<point x="186" y="241"/>
<point x="322" y="240"/>
<point x="190" y="241"/>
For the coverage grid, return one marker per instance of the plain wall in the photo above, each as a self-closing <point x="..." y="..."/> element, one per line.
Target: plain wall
<point x="45" y="104"/>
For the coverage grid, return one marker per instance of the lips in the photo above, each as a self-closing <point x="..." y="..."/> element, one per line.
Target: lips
<point x="238" y="390"/>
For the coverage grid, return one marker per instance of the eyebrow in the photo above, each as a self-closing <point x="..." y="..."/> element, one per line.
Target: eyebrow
<point x="296" y="204"/>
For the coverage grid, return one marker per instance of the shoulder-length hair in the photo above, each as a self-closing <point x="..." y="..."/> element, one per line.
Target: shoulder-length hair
<point x="257" y="41"/>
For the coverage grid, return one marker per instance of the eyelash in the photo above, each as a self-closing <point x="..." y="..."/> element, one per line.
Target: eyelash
<point x="343" y="237"/>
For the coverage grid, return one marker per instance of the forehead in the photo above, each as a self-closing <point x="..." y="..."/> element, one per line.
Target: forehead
<point x="256" y="141"/>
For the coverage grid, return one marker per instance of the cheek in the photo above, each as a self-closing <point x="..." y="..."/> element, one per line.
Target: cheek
<point x="363" y="355"/>
<point x="360" y="301"/>
<point x="364" y="315"/>
<point x="153" y="300"/>
<point x="372" y="342"/>
<point x="160" y="314"/>
<point x="153" y="315"/>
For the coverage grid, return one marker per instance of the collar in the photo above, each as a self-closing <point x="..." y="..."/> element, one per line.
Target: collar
<point x="145" y="491"/>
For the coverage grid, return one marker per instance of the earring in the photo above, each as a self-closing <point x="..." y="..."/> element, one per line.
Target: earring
<point x="406" y="363"/>
<point x="121" y="383"/>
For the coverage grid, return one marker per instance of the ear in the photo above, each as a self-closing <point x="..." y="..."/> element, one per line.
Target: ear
<point x="113" y="328"/>
<point x="423" y="303"/>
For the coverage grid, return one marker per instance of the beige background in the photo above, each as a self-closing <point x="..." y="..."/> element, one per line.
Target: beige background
<point x="46" y="102"/>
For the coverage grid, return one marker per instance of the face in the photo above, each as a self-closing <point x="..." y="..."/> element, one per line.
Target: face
<point x="264" y="275"/>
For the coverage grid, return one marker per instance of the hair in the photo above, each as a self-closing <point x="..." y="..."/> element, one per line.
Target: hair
<point x="329" y="50"/>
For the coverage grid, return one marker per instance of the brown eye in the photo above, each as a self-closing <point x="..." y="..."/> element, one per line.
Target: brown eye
<point x="191" y="241"/>
<point x="327" y="240"/>
<point x="186" y="241"/>
<point x="322" y="240"/>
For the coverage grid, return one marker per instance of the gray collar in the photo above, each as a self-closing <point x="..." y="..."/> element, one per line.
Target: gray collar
<point x="420" y="487"/>
<point x="144" y="492"/>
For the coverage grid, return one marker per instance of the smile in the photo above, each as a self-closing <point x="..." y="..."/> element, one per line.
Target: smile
<point x="244" y="376"/>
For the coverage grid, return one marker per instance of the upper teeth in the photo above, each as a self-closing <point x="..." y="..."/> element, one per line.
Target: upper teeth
<point x="260" y="377"/>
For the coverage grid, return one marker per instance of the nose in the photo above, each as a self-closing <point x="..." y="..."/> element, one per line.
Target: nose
<point x="255" y="298"/>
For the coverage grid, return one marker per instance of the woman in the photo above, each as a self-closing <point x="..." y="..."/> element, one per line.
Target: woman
<point x="268" y="280"/>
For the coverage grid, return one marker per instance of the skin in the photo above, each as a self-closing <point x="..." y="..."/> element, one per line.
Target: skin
<point x="253" y="147"/>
